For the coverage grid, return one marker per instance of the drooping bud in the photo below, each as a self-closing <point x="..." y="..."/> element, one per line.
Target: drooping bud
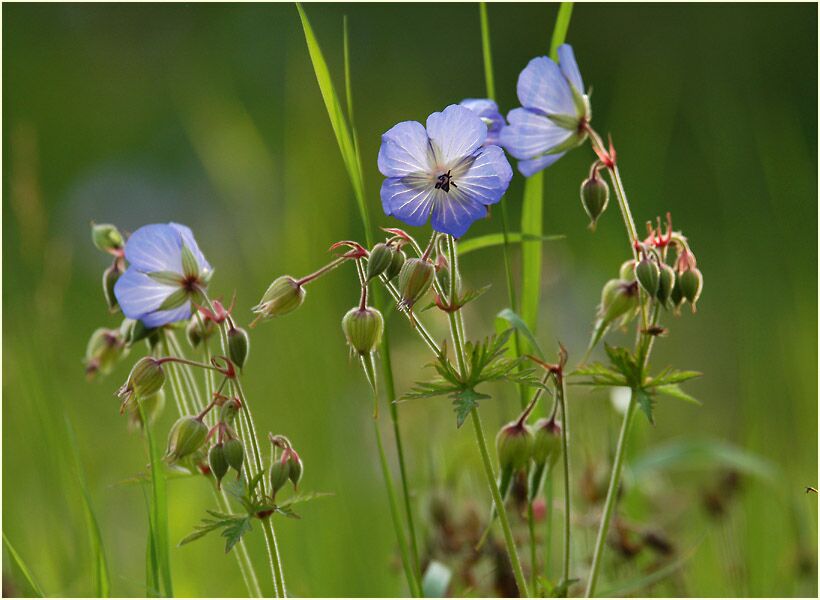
<point x="691" y="285"/>
<point x="134" y="331"/>
<point x="676" y="297"/>
<point x="234" y="454"/>
<point x="107" y="238"/>
<point x="239" y="345"/>
<point x="279" y="474"/>
<point x="380" y="258"/>
<point x="110" y="277"/>
<point x="105" y="347"/>
<point x="666" y="283"/>
<point x="397" y="261"/>
<point x="283" y="296"/>
<point x="218" y="462"/>
<point x="363" y="329"/>
<point x="415" y="279"/>
<point x="199" y="329"/>
<point x="627" y="270"/>
<point x="594" y="197"/>
<point x="546" y="447"/>
<point x="617" y="298"/>
<point x="514" y="445"/>
<point x="186" y="437"/>
<point x="146" y="378"/>
<point x="296" y="467"/>
<point x="648" y="275"/>
<point x="229" y="410"/>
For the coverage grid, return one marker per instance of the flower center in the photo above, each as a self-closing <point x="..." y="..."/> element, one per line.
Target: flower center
<point x="445" y="180"/>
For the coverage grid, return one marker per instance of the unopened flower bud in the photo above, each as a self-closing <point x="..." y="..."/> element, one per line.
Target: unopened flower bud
<point x="106" y="237"/>
<point x="228" y="411"/>
<point x="415" y="279"/>
<point x="279" y="474"/>
<point x="283" y="296"/>
<point x="146" y="378"/>
<point x="666" y="283"/>
<point x="296" y="468"/>
<point x="676" y="297"/>
<point x="363" y="329"/>
<point x="648" y="275"/>
<point x="691" y="285"/>
<point x="218" y="462"/>
<point x="379" y="261"/>
<point x="234" y="454"/>
<point x="199" y="329"/>
<point x="617" y="298"/>
<point x="105" y="347"/>
<point x="397" y="261"/>
<point x="546" y="447"/>
<point x="239" y="345"/>
<point x="514" y="445"/>
<point x="110" y="277"/>
<point x="594" y="197"/>
<point x="627" y="270"/>
<point x="186" y="437"/>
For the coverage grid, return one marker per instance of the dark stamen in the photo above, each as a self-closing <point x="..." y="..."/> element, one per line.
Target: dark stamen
<point x="445" y="180"/>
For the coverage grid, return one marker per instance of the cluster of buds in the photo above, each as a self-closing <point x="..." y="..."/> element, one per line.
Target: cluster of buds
<point x="285" y="464"/>
<point x="386" y="258"/>
<point x="228" y="451"/>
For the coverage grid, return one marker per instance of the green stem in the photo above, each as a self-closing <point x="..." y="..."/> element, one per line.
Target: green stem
<point x="457" y="331"/>
<point x="518" y="572"/>
<point x="562" y="391"/>
<point x="415" y="588"/>
<point x="275" y="568"/>
<point x="611" y="495"/>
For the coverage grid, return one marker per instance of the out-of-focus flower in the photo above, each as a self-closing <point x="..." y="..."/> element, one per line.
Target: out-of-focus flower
<point x="487" y="111"/>
<point x="443" y="170"/>
<point x="166" y="270"/>
<point x="554" y="113"/>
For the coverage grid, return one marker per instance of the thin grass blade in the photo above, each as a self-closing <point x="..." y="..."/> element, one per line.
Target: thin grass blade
<point x="22" y="567"/>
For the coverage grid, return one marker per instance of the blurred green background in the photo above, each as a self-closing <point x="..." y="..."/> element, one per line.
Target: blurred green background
<point x="210" y="115"/>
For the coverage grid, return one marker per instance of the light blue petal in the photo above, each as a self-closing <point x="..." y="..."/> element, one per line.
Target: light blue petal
<point x="405" y="150"/>
<point x="154" y="248"/>
<point x="454" y="133"/>
<point x="163" y="317"/>
<point x="455" y="211"/>
<point x="138" y="294"/>
<point x="566" y="60"/>
<point x="487" y="110"/>
<point x="408" y="199"/>
<point x="485" y="178"/>
<point x="542" y="86"/>
<point x="530" y="134"/>
<point x="530" y="167"/>
<point x="188" y="238"/>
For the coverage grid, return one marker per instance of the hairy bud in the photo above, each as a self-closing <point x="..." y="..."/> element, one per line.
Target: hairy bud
<point x="363" y="329"/>
<point x="546" y="447"/>
<point x="146" y="378"/>
<point x="397" y="261"/>
<point x="104" y="349"/>
<point x="228" y="411"/>
<point x="627" y="270"/>
<point x="218" y="462"/>
<point x="415" y="279"/>
<point x="239" y="345"/>
<point x="198" y="330"/>
<point x="379" y="261"/>
<point x="279" y="474"/>
<point x="514" y="445"/>
<point x="107" y="238"/>
<point x="648" y="275"/>
<point x="666" y="283"/>
<point x="594" y="197"/>
<point x="234" y="454"/>
<point x="109" y="280"/>
<point x="283" y="296"/>
<point x="691" y="285"/>
<point x="186" y="437"/>
<point x="617" y="298"/>
<point x="296" y="467"/>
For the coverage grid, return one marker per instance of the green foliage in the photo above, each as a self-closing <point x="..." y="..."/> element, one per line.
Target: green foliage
<point x="491" y="240"/>
<point x="624" y="371"/>
<point x="486" y="361"/>
<point x="519" y="325"/>
<point x="22" y="567"/>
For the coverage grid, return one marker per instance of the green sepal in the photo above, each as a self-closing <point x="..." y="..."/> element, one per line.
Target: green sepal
<point x="190" y="266"/>
<point x="167" y="278"/>
<point x="175" y="300"/>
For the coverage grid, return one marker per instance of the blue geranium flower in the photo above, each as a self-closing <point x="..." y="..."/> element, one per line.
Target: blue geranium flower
<point x="443" y="170"/>
<point x="487" y="110"/>
<point x="554" y="113"/>
<point x="166" y="270"/>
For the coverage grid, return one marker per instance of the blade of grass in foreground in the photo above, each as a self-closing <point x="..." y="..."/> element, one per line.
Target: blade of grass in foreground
<point x="532" y="208"/>
<point x="349" y="148"/>
<point x="159" y="512"/>
<point x="21" y="566"/>
<point x="102" y="582"/>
